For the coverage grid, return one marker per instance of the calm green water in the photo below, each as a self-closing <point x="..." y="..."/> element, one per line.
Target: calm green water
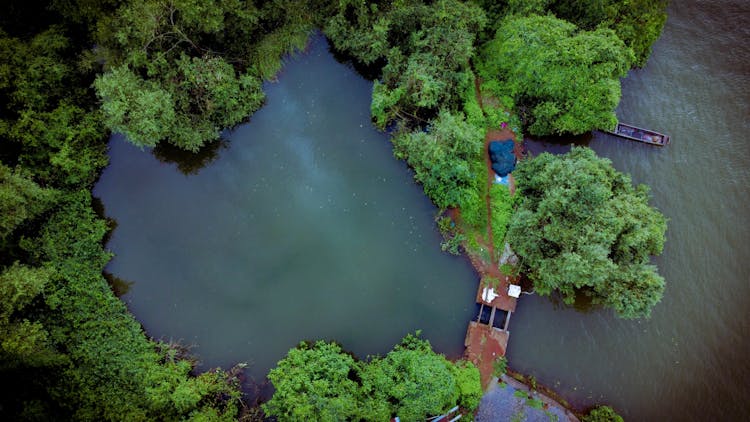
<point x="690" y="360"/>
<point x="304" y="227"/>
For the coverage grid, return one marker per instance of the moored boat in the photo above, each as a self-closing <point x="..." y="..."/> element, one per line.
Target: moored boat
<point x="638" y="134"/>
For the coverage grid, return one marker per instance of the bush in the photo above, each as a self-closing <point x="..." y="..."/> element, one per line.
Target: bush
<point x="321" y="382"/>
<point x="602" y="414"/>
<point x="583" y="227"/>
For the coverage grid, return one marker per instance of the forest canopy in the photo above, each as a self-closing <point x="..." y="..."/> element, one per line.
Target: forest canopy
<point x="582" y="227"/>
<point x="319" y="381"/>
<point x="181" y="71"/>
<point x="563" y="80"/>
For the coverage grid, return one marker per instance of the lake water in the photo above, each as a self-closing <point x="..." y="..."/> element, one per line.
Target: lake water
<point x="690" y="360"/>
<point x="304" y="227"/>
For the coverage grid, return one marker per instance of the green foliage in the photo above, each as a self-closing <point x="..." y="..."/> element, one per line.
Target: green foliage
<point x="24" y="342"/>
<point x="602" y="414"/>
<point x="442" y="158"/>
<point x="501" y="205"/>
<point x="312" y="383"/>
<point x="425" y="47"/>
<point x="474" y="205"/>
<point x="413" y="379"/>
<point x="20" y="200"/>
<point x="202" y="96"/>
<point x="142" y="111"/>
<point x="182" y="71"/>
<point x="471" y="106"/>
<point x="637" y="22"/>
<point x="469" y="385"/>
<point x="534" y="402"/>
<point x="99" y="337"/>
<point x="500" y="366"/>
<point x="43" y="112"/>
<point x="267" y="54"/>
<point x="452" y="236"/>
<point x="582" y="226"/>
<point x="321" y="382"/>
<point x="527" y="7"/>
<point x="63" y="146"/>
<point x="562" y="79"/>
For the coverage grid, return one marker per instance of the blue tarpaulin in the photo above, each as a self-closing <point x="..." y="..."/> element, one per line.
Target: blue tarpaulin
<point x="501" y="155"/>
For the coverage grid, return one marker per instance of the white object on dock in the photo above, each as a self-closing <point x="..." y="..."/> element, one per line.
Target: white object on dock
<point x="488" y="294"/>
<point x="514" y="290"/>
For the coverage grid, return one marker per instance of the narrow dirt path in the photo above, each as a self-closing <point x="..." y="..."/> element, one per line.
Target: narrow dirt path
<point x="485" y="344"/>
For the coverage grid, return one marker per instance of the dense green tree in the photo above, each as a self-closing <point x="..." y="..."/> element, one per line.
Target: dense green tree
<point x="321" y="382"/>
<point x="182" y="71"/>
<point x="64" y="147"/>
<point x="582" y="226"/>
<point x="602" y="414"/>
<point x="637" y="22"/>
<point x="425" y="49"/>
<point x="24" y="342"/>
<point x="562" y="79"/>
<point x="415" y="383"/>
<point x="167" y="85"/>
<point x="203" y="96"/>
<point x="442" y="158"/>
<point x="45" y="116"/>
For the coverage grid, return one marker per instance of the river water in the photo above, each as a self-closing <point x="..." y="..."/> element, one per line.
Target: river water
<point x="304" y="227"/>
<point x="689" y="361"/>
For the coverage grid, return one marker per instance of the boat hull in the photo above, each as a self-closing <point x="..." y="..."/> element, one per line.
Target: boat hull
<point x="635" y="133"/>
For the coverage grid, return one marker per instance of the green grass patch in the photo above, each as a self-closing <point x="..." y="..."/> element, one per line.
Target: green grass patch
<point x="501" y="204"/>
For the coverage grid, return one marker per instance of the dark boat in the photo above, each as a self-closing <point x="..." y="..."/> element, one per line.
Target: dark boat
<point x="637" y="134"/>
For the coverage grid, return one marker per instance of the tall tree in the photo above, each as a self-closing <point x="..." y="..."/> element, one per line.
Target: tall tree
<point x="563" y="80"/>
<point x="442" y="158"/>
<point x="20" y="200"/>
<point x="184" y="70"/>
<point x="313" y="382"/>
<point x="583" y="227"/>
<point x="320" y="382"/>
<point x="46" y="115"/>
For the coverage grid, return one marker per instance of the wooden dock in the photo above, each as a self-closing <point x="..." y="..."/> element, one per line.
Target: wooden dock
<point x="487" y="335"/>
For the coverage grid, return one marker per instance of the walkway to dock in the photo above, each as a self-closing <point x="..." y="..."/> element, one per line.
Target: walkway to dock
<point x="487" y="335"/>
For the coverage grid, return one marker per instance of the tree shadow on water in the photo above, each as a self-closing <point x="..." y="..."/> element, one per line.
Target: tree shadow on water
<point x="556" y="144"/>
<point x="583" y="302"/>
<point x="189" y="163"/>
<point x="118" y="285"/>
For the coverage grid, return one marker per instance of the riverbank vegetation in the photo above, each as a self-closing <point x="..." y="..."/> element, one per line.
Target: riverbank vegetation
<point x="179" y="72"/>
<point x="319" y="381"/>
<point x="582" y="227"/>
